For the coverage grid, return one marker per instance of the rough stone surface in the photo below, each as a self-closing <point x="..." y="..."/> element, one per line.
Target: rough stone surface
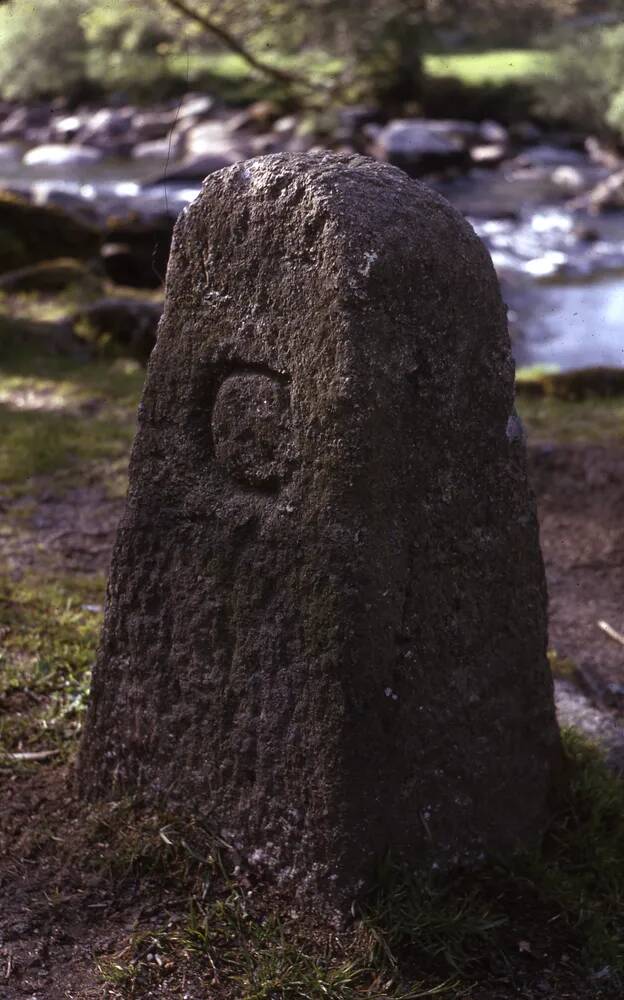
<point x="326" y="621"/>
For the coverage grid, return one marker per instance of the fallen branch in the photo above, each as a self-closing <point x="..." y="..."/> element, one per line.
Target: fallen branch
<point x="611" y="632"/>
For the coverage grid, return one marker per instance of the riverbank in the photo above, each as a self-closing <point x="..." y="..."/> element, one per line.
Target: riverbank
<point x="128" y="170"/>
<point x="122" y="903"/>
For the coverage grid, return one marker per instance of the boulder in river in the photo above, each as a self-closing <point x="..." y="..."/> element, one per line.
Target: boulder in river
<point x="136" y="250"/>
<point x="58" y="155"/>
<point x="106" y="124"/>
<point x="66" y="127"/>
<point x="195" y="168"/>
<point x="212" y="139"/>
<point x="549" y="156"/>
<point x="152" y="125"/>
<point x="419" y="146"/>
<point x="157" y="149"/>
<point x="48" y="276"/>
<point x="32" y="233"/>
<point x="489" y="154"/>
<point x="16" y="124"/>
<point x="10" y="152"/>
<point x="195" y="106"/>
<point x="131" y="324"/>
<point x="256" y="117"/>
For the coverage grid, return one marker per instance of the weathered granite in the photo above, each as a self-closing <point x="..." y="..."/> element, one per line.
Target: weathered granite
<point x="326" y="620"/>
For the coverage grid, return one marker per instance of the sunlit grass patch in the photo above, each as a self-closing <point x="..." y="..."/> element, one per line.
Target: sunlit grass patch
<point x="496" y="66"/>
<point x="48" y="636"/>
<point x="60" y="413"/>
<point x="589" y="421"/>
<point x="38" y="443"/>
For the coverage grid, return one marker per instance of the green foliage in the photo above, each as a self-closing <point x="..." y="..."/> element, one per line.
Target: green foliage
<point x="127" y="43"/>
<point x="54" y="47"/>
<point x="43" y="48"/>
<point x="370" y="50"/>
<point x="585" y="85"/>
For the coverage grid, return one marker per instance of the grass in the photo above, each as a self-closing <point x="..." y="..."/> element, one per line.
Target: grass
<point x="48" y="634"/>
<point x="65" y="418"/>
<point x="552" y="919"/>
<point x="549" y="921"/>
<point x="588" y="421"/>
<point x="59" y="410"/>
<point x="498" y="67"/>
<point x="228" y="77"/>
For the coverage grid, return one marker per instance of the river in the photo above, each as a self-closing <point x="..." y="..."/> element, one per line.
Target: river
<point x="562" y="274"/>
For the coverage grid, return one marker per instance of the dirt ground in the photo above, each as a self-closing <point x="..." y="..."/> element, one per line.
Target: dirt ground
<point x="59" y="916"/>
<point x="581" y="506"/>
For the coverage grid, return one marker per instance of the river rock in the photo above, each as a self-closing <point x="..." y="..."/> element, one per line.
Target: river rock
<point x="211" y="139"/>
<point x="419" y="146"/>
<point x="489" y="155"/>
<point x="23" y="118"/>
<point x="49" y="276"/>
<point x="194" y="168"/>
<point x="67" y="127"/>
<point x="195" y="106"/>
<point x="136" y="250"/>
<point x="58" y="155"/>
<point x="10" y="152"/>
<point x="326" y="619"/>
<point x="549" y="156"/>
<point x="152" y="125"/>
<point x="108" y="123"/>
<point x="157" y="149"/>
<point x="51" y="193"/>
<point x="258" y="116"/>
<point x="493" y="132"/>
<point x="130" y="324"/>
<point x="31" y="233"/>
<point x="607" y="194"/>
<point x="353" y="117"/>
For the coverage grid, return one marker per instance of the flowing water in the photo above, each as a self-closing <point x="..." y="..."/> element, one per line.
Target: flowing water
<point x="562" y="274"/>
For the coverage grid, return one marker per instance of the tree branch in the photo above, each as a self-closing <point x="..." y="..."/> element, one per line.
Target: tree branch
<point x="232" y="43"/>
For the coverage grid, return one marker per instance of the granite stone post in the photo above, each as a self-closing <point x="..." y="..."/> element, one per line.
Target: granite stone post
<point x="326" y="619"/>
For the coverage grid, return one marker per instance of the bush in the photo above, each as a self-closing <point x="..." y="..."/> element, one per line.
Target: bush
<point x="43" y="49"/>
<point x="126" y="45"/>
<point x="52" y="47"/>
<point x="586" y="84"/>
